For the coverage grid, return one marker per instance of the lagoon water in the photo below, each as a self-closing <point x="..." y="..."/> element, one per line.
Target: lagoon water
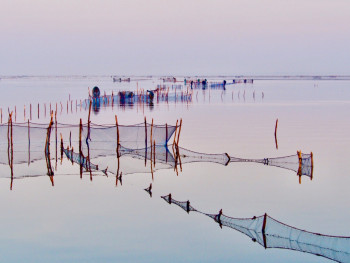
<point x="79" y="220"/>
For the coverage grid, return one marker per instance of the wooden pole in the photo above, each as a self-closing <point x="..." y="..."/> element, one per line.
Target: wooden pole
<point x="28" y="143"/>
<point x="276" y="134"/>
<point x="154" y="153"/>
<point x="264" y="224"/>
<point x="72" y="155"/>
<point x="61" y="147"/>
<point x="80" y="151"/>
<point x="11" y="152"/>
<point x="175" y="133"/>
<point x="151" y="144"/>
<point x="88" y="137"/>
<point x="178" y="135"/>
<point x="56" y="137"/>
<point x="145" y="142"/>
<point x="47" y="149"/>
<point x="166" y="134"/>
<point x="145" y="133"/>
<point x="312" y="165"/>
<point x="118" y="139"/>
<point x="151" y="133"/>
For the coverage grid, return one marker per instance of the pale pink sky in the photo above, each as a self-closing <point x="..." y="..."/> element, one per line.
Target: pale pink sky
<point x="174" y="37"/>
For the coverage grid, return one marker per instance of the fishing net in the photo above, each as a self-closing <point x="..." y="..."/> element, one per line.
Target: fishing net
<point x="304" y="161"/>
<point x="23" y="146"/>
<point x="271" y="233"/>
<point x="185" y="205"/>
<point x="131" y="161"/>
<point x="127" y="98"/>
<point x="29" y="138"/>
<point x="103" y="140"/>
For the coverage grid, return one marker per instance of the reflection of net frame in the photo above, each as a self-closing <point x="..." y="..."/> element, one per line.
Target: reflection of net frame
<point x="301" y="164"/>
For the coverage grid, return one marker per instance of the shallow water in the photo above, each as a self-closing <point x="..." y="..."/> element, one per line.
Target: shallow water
<point x="79" y="220"/>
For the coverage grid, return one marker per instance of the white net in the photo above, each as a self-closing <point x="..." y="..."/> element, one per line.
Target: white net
<point x="271" y="233"/>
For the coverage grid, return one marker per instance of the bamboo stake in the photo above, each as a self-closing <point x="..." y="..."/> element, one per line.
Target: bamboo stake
<point x="178" y="135"/>
<point x="166" y="134"/>
<point x="72" y="155"/>
<point x="61" y="147"/>
<point x="175" y="132"/>
<point x="276" y="134"/>
<point x="80" y="151"/>
<point x="56" y="138"/>
<point x="88" y="137"/>
<point x="28" y="143"/>
<point x="88" y="157"/>
<point x="151" y="133"/>
<point x="151" y="144"/>
<point x="154" y="153"/>
<point x="151" y="164"/>
<point x="47" y="148"/>
<point x="312" y="165"/>
<point x="300" y="166"/>
<point x="145" y="133"/>
<point x="145" y="142"/>
<point x="10" y="147"/>
<point x="118" y="139"/>
<point x="11" y="152"/>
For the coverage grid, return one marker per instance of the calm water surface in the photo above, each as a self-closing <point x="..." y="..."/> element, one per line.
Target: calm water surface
<point x="79" y="220"/>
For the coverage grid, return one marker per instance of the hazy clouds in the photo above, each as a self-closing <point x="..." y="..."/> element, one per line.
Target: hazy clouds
<point x="174" y="37"/>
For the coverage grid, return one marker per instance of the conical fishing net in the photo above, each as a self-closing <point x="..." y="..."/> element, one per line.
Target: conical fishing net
<point x="271" y="233"/>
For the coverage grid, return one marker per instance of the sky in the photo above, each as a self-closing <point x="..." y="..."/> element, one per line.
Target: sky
<point x="182" y="37"/>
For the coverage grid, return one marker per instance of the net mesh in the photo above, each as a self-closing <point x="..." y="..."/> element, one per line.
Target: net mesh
<point x="135" y="160"/>
<point x="23" y="144"/>
<point x="98" y="146"/>
<point x="271" y="233"/>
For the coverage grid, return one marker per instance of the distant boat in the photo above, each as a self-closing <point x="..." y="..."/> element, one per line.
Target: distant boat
<point x="116" y="79"/>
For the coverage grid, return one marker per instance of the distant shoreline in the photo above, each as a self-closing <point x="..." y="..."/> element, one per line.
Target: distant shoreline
<point x="140" y="77"/>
